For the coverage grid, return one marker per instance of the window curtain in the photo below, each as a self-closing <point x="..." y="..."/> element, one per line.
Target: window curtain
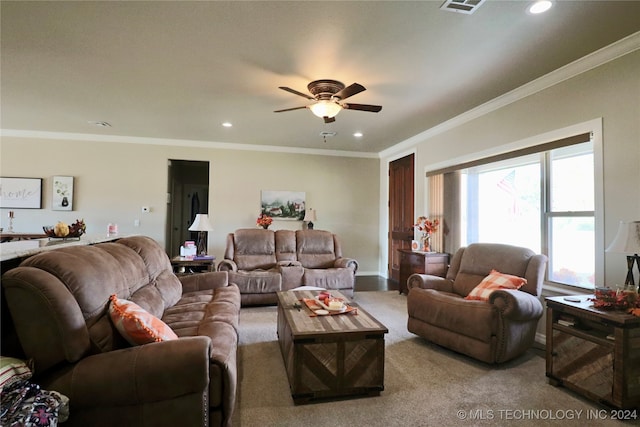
<point x="444" y="205"/>
<point x="436" y="210"/>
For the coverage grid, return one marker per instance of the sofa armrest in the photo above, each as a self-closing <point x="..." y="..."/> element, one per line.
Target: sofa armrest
<point x="516" y="305"/>
<point x="346" y="263"/>
<point x="204" y="281"/>
<point x="227" y="265"/>
<point x="138" y="375"/>
<point x="427" y="281"/>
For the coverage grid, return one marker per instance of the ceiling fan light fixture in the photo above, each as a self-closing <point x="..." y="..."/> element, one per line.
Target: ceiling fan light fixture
<point x="325" y="108"/>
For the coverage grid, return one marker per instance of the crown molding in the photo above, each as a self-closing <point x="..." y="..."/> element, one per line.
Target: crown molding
<point x="609" y="53"/>
<point x="600" y="57"/>
<point x="88" y="137"/>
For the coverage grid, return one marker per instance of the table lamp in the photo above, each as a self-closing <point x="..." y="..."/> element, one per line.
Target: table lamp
<point x="202" y="225"/>
<point x="309" y="217"/>
<point x="627" y="241"/>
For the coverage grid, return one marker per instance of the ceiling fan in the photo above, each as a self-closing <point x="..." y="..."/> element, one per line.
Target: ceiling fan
<point x="328" y="96"/>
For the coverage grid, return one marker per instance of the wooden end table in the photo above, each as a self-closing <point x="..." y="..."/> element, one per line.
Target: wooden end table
<point x="186" y="265"/>
<point x="593" y="352"/>
<point x="329" y="356"/>
<point x="433" y="263"/>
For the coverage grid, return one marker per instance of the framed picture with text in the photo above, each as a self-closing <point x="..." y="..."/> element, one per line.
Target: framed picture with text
<point x="21" y="193"/>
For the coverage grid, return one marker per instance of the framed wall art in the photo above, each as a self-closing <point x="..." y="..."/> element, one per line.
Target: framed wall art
<point x="283" y="204"/>
<point x="62" y="199"/>
<point x="21" y="193"/>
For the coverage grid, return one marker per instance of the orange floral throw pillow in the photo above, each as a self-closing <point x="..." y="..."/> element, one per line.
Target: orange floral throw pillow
<point x="494" y="281"/>
<point x="137" y="325"/>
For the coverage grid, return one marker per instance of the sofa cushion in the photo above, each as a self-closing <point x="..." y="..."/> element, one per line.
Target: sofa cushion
<point x="136" y="325"/>
<point x="254" y="249"/>
<point x="285" y="245"/>
<point x="330" y="278"/>
<point x="494" y="281"/>
<point x="452" y="312"/>
<point x="257" y="281"/>
<point x="315" y="248"/>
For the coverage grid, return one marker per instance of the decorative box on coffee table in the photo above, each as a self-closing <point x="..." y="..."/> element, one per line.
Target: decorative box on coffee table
<point x="332" y="355"/>
<point x="594" y="352"/>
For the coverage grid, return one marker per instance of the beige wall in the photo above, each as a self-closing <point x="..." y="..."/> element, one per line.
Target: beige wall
<point x="114" y="180"/>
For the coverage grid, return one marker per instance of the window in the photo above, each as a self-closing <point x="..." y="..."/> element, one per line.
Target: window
<point x="543" y="201"/>
<point x="570" y="216"/>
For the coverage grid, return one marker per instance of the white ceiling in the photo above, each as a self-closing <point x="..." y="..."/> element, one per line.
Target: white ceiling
<point x="178" y="69"/>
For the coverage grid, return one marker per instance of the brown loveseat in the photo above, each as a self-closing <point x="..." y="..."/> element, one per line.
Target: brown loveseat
<point x="492" y="331"/>
<point x="262" y="262"/>
<point x="59" y="304"/>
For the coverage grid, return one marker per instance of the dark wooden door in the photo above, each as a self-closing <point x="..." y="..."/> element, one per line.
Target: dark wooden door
<point x="401" y="176"/>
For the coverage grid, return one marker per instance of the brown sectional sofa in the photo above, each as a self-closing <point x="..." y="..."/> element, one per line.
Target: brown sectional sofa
<point x="262" y="262"/>
<point x="59" y="304"/>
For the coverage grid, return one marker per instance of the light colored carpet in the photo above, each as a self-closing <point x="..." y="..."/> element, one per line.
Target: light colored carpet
<point x="425" y="385"/>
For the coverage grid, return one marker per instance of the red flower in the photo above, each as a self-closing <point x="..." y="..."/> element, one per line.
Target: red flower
<point x="264" y="220"/>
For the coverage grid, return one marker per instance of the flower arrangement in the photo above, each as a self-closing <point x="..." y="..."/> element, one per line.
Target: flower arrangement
<point x="264" y="221"/>
<point x="426" y="226"/>
<point x="621" y="299"/>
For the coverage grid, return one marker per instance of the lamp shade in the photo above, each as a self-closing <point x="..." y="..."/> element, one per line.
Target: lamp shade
<point x="310" y="215"/>
<point x="325" y="108"/>
<point x="627" y="240"/>
<point x="201" y="223"/>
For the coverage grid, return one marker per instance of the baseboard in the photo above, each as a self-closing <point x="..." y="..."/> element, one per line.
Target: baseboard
<point x="541" y="340"/>
<point x="367" y="273"/>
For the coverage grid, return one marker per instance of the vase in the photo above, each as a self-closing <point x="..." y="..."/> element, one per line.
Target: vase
<point x="265" y="226"/>
<point x="426" y="243"/>
<point x="65" y="201"/>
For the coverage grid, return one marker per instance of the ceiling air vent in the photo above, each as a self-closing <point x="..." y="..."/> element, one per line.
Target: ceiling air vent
<point x="462" y="6"/>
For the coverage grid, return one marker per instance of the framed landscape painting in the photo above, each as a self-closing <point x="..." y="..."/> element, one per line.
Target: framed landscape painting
<point x="21" y="193"/>
<point x="283" y="204"/>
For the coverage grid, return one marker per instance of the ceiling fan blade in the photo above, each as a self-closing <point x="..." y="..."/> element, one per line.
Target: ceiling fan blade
<point x="295" y="92"/>
<point x="350" y="91"/>
<point x="329" y="119"/>
<point x="290" y="109"/>
<point x="363" y="107"/>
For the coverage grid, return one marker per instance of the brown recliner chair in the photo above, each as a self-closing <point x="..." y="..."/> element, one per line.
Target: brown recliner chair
<point x="492" y="331"/>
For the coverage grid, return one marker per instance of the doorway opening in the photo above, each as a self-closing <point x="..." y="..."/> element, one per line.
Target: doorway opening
<point x="187" y="196"/>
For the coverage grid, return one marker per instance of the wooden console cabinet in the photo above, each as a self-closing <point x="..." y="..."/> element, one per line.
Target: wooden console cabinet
<point x="593" y="352"/>
<point x="411" y="262"/>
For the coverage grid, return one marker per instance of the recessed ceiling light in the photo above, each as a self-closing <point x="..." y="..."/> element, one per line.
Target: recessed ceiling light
<point x="358" y="134"/>
<point x="100" y="123"/>
<point x="540" y="6"/>
<point x="227" y="124"/>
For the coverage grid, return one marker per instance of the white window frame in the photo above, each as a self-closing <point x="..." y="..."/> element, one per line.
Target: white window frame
<point x="593" y="126"/>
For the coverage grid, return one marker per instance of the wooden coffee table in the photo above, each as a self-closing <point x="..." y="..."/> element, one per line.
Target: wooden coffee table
<point x="329" y="356"/>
